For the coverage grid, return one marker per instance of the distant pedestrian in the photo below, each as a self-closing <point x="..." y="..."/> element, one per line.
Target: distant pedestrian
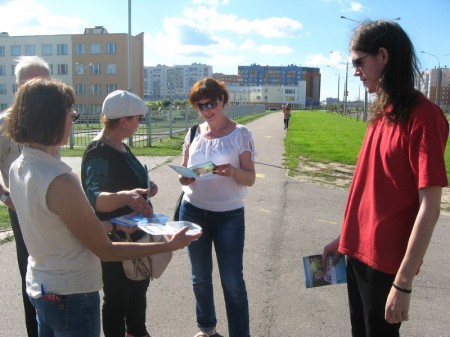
<point x="286" y="114"/>
<point x="395" y="197"/>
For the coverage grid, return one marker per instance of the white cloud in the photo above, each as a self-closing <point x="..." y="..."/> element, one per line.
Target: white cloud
<point x="25" y="16"/>
<point x="356" y="7"/>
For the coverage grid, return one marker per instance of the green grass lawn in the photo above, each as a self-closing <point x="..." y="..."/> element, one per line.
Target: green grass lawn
<point x="327" y="137"/>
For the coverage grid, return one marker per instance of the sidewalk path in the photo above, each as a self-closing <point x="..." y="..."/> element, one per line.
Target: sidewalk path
<point x="286" y="219"/>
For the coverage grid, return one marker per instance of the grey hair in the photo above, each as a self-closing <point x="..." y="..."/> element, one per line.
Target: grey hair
<point x="28" y="66"/>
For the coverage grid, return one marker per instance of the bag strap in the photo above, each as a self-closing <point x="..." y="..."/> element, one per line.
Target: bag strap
<point x="193" y="131"/>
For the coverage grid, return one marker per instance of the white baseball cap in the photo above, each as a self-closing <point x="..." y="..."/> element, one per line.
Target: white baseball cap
<point x="121" y="103"/>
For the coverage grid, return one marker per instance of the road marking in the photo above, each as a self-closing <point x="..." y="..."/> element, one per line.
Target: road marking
<point x="326" y="221"/>
<point x="260" y="175"/>
<point x="265" y="210"/>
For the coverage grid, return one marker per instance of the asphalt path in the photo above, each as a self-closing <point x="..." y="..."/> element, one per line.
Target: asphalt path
<point x="286" y="219"/>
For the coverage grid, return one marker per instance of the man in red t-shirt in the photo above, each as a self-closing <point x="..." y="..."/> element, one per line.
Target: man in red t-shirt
<point x="394" y="200"/>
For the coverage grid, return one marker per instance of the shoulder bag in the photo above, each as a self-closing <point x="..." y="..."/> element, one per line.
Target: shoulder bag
<point x="176" y="214"/>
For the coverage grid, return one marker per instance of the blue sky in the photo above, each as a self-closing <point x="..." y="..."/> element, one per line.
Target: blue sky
<point x="229" y="33"/>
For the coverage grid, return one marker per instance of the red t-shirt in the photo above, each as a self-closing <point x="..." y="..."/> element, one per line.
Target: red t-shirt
<point x="395" y="161"/>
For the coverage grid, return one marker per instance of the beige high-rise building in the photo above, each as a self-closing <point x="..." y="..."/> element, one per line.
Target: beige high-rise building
<point x="94" y="64"/>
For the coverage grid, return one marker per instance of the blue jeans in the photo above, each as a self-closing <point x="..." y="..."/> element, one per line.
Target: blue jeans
<point x="226" y="230"/>
<point x="71" y="316"/>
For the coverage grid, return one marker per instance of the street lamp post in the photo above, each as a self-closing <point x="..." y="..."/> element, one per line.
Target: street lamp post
<point x="438" y="79"/>
<point x="346" y="81"/>
<point x="339" y="80"/>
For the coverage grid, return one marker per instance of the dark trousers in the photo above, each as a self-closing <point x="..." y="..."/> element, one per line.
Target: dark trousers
<point x="286" y="123"/>
<point x="368" y="290"/>
<point x="22" y="260"/>
<point x="124" y="302"/>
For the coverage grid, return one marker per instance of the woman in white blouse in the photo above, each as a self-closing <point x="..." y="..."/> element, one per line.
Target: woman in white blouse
<point x="216" y="203"/>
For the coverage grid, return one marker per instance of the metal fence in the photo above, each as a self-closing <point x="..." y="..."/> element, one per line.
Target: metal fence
<point x="156" y="125"/>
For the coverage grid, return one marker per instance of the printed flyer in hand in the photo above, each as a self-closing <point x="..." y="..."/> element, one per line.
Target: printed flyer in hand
<point x="316" y="277"/>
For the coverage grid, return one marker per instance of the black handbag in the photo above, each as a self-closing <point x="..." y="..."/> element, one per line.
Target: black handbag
<point x="176" y="214"/>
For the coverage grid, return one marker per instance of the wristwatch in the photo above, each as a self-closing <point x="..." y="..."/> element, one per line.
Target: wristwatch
<point x="4" y="196"/>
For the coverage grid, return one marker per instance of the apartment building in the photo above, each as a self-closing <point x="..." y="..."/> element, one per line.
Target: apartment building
<point x="272" y="96"/>
<point x="94" y="63"/>
<point x="291" y="75"/>
<point x="174" y="83"/>
<point x="435" y="84"/>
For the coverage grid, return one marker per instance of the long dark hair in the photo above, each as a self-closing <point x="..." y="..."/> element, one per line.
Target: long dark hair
<point x="396" y="85"/>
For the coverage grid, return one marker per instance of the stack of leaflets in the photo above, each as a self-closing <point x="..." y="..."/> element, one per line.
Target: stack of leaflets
<point x="316" y="277"/>
<point x="197" y="171"/>
<point x="136" y="219"/>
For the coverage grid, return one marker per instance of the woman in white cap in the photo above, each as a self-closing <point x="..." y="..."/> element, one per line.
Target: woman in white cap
<point x="115" y="183"/>
<point x="64" y="237"/>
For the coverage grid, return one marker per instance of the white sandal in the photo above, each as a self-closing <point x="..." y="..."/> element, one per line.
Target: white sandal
<point x="206" y="334"/>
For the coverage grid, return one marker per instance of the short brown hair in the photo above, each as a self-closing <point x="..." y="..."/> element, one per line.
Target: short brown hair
<point x="39" y="112"/>
<point x="208" y="88"/>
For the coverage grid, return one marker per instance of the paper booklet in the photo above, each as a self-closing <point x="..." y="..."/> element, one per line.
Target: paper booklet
<point x="197" y="171"/>
<point x="314" y="275"/>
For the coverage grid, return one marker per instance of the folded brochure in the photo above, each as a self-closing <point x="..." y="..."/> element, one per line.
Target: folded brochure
<point x="314" y="275"/>
<point x="196" y="171"/>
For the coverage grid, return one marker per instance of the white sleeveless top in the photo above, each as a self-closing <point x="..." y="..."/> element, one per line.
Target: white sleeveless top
<point x="58" y="261"/>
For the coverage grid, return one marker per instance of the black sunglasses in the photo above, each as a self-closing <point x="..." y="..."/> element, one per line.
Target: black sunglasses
<point x="357" y="63"/>
<point x="75" y="116"/>
<point x="208" y="105"/>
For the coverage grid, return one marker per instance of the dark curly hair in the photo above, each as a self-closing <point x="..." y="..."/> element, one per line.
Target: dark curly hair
<point x="396" y="85"/>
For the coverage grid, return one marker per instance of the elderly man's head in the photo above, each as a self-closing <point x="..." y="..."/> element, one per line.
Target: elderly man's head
<point x="29" y="67"/>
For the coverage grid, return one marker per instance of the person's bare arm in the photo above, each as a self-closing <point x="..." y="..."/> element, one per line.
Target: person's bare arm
<point x="397" y="304"/>
<point x="66" y="199"/>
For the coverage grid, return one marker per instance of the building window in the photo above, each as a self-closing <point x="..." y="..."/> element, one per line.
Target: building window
<point x="110" y="88"/>
<point x="15" y="50"/>
<point x="2" y="70"/>
<point x="3" y="106"/>
<point x="2" y="50"/>
<point x="79" y="49"/>
<point x="30" y="50"/>
<point x="95" y="69"/>
<point x="63" y="69"/>
<point x="80" y="90"/>
<point x="81" y="108"/>
<point x="14" y="88"/>
<point x="51" y="69"/>
<point x="111" y="69"/>
<point x="62" y="49"/>
<point x="2" y="89"/>
<point x="111" y="48"/>
<point x="96" y="108"/>
<point x="46" y="50"/>
<point x="96" y="89"/>
<point x="95" y="48"/>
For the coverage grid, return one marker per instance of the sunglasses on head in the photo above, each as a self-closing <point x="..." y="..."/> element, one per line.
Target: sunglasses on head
<point x="357" y="63"/>
<point x="208" y="105"/>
